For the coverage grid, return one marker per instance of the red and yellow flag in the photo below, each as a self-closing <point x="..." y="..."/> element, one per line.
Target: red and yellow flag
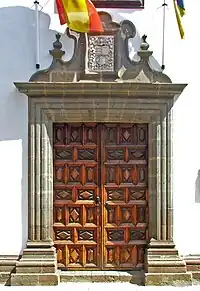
<point x="179" y="12"/>
<point x="79" y="15"/>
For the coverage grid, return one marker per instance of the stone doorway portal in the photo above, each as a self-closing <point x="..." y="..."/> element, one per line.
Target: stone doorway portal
<point x="121" y="91"/>
<point x="100" y="195"/>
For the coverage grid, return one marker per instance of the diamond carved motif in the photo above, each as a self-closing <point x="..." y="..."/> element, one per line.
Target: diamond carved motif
<point x="90" y="255"/>
<point x="86" y="195"/>
<point x="90" y="174"/>
<point x="64" y="235"/>
<point x="126" y="135"/>
<point x="142" y="134"/>
<point x="116" y="235"/>
<point x="74" y="135"/>
<point x="90" y="215"/>
<point x="137" y="195"/>
<point x="64" y="154"/>
<point x="138" y="235"/>
<point x="125" y="256"/>
<point x="116" y="195"/>
<point x="86" y="235"/>
<point x="74" y="215"/>
<point x="90" y="134"/>
<point x="110" y="255"/>
<point x="137" y="154"/>
<point x="74" y="174"/>
<point x="74" y="256"/>
<point x="126" y="214"/>
<point x="64" y="194"/>
<point x="126" y="174"/>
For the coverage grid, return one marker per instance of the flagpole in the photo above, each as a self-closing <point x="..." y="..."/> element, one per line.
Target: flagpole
<point x="164" y="5"/>
<point x="36" y="3"/>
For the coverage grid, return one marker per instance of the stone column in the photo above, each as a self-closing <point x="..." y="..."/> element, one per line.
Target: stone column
<point x="163" y="263"/>
<point x="153" y="177"/>
<point x="169" y="175"/>
<point x="38" y="264"/>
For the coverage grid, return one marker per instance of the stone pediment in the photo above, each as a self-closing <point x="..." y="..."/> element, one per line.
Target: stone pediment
<point x="101" y="57"/>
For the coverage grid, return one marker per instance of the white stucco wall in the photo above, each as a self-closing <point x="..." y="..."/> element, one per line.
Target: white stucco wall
<point x="17" y="55"/>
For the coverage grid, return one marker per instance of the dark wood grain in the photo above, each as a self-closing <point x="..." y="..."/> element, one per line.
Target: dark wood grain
<point x="100" y="195"/>
<point x="77" y="232"/>
<point x="124" y="182"/>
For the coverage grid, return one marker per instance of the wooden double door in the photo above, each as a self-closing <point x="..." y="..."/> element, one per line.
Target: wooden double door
<point x="100" y="195"/>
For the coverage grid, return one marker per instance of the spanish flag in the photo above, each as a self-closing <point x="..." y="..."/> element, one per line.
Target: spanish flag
<point x="180" y="12"/>
<point x="79" y="15"/>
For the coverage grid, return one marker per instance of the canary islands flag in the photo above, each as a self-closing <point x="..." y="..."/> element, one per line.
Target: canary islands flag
<point x="180" y="12"/>
<point x="79" y="15"/>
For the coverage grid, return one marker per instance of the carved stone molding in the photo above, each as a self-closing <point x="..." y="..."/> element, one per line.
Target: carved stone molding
<point x="107" y="57"/>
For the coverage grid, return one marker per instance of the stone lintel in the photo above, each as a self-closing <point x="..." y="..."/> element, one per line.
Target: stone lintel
<point x="86" y="89"/>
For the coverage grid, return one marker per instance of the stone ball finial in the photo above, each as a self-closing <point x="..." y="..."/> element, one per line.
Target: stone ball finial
<point x="57" y="44"/>
<point x="56" y="52"/>
<point x="144" y="45"/>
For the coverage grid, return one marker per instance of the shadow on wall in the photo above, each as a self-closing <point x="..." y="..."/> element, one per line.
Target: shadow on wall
<point x="197" y="188"/>
<point x="17" y="51"/>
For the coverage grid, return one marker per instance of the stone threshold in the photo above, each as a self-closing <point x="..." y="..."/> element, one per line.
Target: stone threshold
<point x="134" y="277"/>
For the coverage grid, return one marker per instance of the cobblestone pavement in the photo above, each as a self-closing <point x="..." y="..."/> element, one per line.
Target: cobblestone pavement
<point x="102" y="287"/>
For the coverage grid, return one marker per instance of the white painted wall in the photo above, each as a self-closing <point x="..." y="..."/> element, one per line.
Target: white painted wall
<point x="17" y="55"/>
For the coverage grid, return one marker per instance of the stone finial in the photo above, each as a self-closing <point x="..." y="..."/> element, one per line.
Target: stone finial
<point x="56" y="52"/>
<point x="141" y="71"/>
<point x="144" y="45"/>
<point x="144" y="48"/>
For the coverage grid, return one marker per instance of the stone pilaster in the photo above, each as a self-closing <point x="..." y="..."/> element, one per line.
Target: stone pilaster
<point x="164" y="266"/>
<point x="38" y="264"/>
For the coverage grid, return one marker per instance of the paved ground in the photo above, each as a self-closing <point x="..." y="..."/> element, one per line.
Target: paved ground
<point x="102" y="287"/>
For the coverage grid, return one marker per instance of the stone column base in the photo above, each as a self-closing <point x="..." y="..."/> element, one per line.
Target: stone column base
<point x="164" y="266"/>
<point x="7" y="266"/>
<point x="193" y="266"/>
<point x="168" y="279"/>
<point x="38" y="266"/>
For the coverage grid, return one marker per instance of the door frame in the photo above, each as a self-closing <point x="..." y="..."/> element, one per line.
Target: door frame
<point x="122" y="108"/>
<point x="98" y="102"/>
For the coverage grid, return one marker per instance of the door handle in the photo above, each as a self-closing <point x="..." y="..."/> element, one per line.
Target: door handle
<point x="107" y="205"/>
<point x="98" y="201"/>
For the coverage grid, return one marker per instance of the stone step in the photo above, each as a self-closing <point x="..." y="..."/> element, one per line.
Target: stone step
<point x="134" y="277"/>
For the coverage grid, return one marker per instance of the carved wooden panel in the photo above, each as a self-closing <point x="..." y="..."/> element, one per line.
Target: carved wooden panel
<point x="124" y="176"/>
<point x="100" y="195"/>
<point x="76" y="222"/>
